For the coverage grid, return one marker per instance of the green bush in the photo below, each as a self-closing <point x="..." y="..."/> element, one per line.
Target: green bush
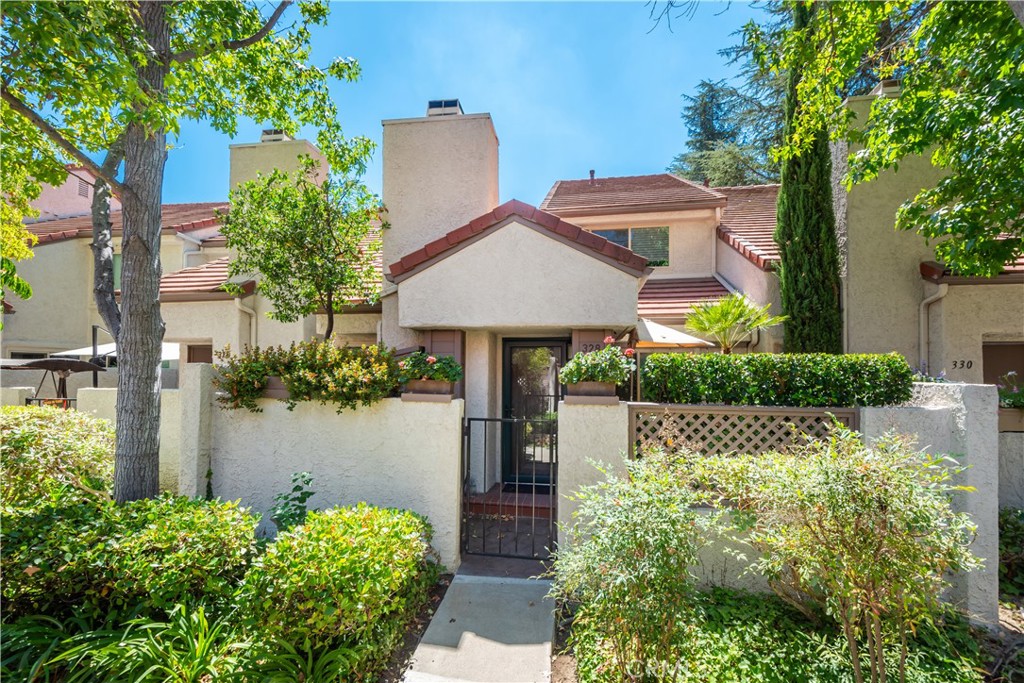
<point x="50" y="455"/>
<point x="312" y="371"/>
<point x="143" y="557"/>
<point x="865" y="533"/>
<point x="1011" y="551"/>
<point x="738" y="637"/>
<point x="349" y="577"/>
<point x="764" y="379"/>
<point x="421" y="365"/>
<point x="629" y="565"/>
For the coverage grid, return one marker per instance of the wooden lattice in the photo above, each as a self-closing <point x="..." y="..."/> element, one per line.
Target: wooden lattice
<point x="715" y="429"/>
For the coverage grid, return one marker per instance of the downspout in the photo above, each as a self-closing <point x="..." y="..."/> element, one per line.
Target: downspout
<point x="923" y="341"/>
<point x="252" y="320"/>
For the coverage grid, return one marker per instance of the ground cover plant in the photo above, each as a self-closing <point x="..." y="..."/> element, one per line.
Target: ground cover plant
<point x="768" y="379"/>
<point x="312" y="371"/>
<point x="179" y="589"/>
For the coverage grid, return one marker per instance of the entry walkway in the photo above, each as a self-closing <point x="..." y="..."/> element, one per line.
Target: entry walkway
<point x="488" y="629"/>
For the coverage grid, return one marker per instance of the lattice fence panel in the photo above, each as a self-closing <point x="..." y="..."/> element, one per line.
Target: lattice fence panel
<point x="712" y="430"/>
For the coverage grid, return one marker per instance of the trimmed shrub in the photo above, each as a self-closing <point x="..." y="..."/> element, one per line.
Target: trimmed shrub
<point x="348" y="577"/>
<point x="766" y="379"/>
<point x="312" y="371"/>
<point x="629" y="566"/>
<point x="1011" y="551"/>
<point x="143" y="557"/>
<point x="50" y="455"/>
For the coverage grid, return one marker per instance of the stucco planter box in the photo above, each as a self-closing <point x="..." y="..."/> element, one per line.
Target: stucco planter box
<point x="1011" y="419"/>
<point x="428" y="390"/>
<point x="275" y="388"/>
<point x="592" y="393"/>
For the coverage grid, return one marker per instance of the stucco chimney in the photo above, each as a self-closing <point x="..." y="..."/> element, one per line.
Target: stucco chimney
<point x="275" y="150"/>
<point x="440" y="172"/>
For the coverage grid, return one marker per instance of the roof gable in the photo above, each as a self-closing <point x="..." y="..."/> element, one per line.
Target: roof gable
<point x="542" y="221"/>
<point x="627" y="194"/>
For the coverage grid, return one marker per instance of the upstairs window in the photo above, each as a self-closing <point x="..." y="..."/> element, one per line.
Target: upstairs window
<point x="651" y="243"/>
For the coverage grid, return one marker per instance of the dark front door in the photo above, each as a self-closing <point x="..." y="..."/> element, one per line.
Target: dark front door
<point x="530" y="395"/>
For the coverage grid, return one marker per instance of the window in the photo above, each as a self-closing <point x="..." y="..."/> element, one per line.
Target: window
<point x="26" y="355"/>
<point x="651" y="243"/>
<point x="83" y="188"/>
<point x="200" y="353"/>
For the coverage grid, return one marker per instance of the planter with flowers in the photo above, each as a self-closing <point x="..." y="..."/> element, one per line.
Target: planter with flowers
<point x="1011" y="403"/>
<point x="593" y="377"/>
<point x="428" y="378"/>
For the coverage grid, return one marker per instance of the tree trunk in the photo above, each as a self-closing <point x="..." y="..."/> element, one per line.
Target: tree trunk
<point x="1017" y="6"/>
<point x="137" y="458"/>
<point x="330" y="316"/>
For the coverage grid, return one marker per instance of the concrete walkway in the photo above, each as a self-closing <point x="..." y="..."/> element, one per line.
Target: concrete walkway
<point x="488" y="630"/>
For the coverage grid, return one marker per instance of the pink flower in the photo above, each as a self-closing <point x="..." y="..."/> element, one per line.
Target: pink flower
<point x="609" y="339"/>
<point x="629" y="353"/>
<point x="401" y="364"/>
<point x="431" y="360"/>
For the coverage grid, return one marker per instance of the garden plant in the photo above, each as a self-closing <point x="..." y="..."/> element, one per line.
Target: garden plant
<point x="611" y="364"/>
<point x="422" y="365"/>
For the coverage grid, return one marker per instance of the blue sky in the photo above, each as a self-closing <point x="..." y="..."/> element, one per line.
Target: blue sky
<point x="570" y="86"/>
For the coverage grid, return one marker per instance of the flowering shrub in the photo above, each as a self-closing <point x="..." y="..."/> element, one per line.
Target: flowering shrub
<point x="420" y="365"/>
<point x="610" y="364"/>
<point x="312" y="371"/>
<point x="1010" y="394"/>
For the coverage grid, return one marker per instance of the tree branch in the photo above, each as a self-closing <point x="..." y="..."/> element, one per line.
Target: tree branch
<point x="238" y="44"/>
<point x="78" y="155"/>
<point x="103" y="243"/>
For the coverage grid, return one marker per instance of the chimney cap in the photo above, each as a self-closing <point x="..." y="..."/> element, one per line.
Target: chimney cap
<point x="591" y="174"/>
<point x="274" y="135"/>
<point x="450" y="107"/>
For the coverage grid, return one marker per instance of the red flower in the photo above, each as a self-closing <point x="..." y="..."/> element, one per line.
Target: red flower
<point x="609" y="339"/>
<point x="629" y="353"/>
<point x="431" y="360"/>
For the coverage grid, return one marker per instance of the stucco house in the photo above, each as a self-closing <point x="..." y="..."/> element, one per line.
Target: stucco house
<point x="494" y="284"/>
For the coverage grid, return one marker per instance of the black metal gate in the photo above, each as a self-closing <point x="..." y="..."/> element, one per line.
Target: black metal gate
<point x="509" y="511"/>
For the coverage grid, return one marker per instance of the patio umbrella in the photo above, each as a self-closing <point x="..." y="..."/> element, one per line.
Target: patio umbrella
<point x="59" y="369"/>
<point x="168" y="351"/>
<point x="650" y="336"/>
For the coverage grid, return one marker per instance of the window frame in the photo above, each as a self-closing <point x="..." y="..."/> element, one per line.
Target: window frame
<point x="629" y="240"/>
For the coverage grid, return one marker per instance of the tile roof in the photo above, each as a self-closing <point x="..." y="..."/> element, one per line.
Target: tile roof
<point x="560" y="229"/>
<point x="674" y="299"/>
<point x="662" y="191"/>
<point x="175" y="217"/>
<point x="748" y="222"/>
<point x="199" y="282"/>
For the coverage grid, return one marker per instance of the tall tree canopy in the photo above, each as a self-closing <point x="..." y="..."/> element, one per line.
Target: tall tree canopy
<point x="961" y="66"/>
<point x="111" y="80"/>
<point x="312" y="241"/>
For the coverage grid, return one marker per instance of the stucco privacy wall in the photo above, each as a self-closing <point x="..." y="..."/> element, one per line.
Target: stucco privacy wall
<point x="15" y="396"/>
<point x="517" y="278"/>
<point x="953" y="419"/>
<point x="102" y="403"/>
<point x="392" y="454"/>
<point x="1011" y="469"/>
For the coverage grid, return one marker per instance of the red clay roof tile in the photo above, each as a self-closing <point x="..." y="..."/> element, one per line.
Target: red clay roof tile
<point x="674" y="299"/>
<point x="748" y="222"/>
<point x="175" y="218"/>
<point x="627" y="193"/>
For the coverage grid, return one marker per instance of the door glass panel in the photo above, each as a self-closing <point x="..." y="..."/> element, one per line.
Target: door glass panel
<point x="532" y="394"/>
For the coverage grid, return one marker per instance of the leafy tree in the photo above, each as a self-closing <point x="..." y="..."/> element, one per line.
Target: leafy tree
<point x="111" y="81"/>
<point x="960" y="66"/>
<point x="805" y="233"/>
<point x="312" y="242"/>
<point x="730" y="320"/>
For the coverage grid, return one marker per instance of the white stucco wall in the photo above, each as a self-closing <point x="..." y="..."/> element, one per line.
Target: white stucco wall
<point x="1011" y="469"/>
<point x="964" y="319"/>
<point x="206" y="322"/>
<point x="392" y="454"/>
<point x="438" y="174"/>
<point x="249" y="159"/>
<point x="482" y="373"/>
<point x="517" y="278"/>
<point x="760" y="286"/>
<point x="959" y="420"/>
<point x="15" y="396"/>
<point x="103" y="403"/>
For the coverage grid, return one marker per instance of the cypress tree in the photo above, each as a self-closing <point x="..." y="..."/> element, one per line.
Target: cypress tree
<point x="805" y="232"/>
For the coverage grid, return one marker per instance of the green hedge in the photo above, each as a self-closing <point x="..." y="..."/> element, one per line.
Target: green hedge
<point x="51" y="456"/>
<point x="142" y="557"/>
<point x="766" y="379"/>
<point x="349" y="578"/>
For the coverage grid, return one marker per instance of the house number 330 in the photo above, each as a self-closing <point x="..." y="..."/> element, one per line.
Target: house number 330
<point x="963" y="364"/>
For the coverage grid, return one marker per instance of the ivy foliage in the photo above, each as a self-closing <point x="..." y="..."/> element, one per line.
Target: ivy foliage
<point x="961" y="68"/>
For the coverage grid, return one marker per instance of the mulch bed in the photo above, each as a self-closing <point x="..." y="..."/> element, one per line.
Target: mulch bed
<point x="401" y="660"/>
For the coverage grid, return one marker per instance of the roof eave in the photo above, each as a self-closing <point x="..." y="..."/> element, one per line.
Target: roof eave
<point x="647" y="207"/>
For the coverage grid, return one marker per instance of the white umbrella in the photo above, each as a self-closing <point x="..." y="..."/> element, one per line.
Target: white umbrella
<point x="651" y="335"/>
<point x="167" y="351"/>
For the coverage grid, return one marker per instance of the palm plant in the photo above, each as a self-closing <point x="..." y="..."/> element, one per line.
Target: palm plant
<point x="730" y="320"/>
